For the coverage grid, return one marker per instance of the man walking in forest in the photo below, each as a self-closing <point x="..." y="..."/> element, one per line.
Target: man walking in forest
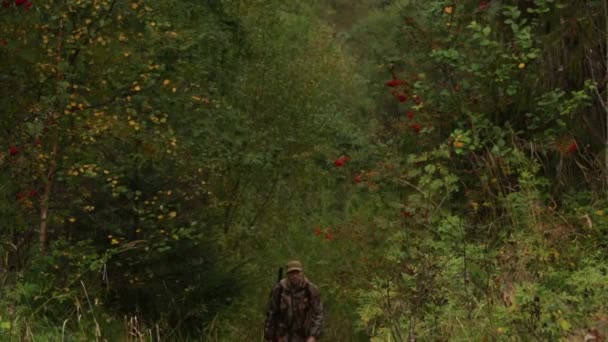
<point x="295" y="311"/>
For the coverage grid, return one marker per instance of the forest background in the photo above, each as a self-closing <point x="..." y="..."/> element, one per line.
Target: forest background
<point x="440" y="167"/>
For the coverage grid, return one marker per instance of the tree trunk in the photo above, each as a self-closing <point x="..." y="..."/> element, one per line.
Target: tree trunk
<point x="48" y="185"/>
<point x="44" y="202"/>
<point x="605" y="80"/>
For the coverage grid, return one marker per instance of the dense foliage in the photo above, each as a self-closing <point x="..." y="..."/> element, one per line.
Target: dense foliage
<point x="440" y="167"/>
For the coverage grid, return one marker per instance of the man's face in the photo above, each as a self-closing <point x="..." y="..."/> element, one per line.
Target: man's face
<point x="295" y="277"/>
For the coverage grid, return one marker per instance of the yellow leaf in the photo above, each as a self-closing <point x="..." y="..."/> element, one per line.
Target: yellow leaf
<point x="458" y="144"/>
<point x="114" y="242"/>
<point x="521" y="65"/>
<point x="166" y="82"/>
<point x="565" y="325"/>
<point x="172" y="214"/>
<point x="72" y="220"/>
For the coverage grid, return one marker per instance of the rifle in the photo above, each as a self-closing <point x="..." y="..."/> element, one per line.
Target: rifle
<point x="280" y="274"/>
<point x="272" y="325"/>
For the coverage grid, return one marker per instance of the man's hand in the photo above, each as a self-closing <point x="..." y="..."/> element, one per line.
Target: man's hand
<point x="311" y="339"/>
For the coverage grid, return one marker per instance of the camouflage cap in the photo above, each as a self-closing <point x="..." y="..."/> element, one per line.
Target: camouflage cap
<point x="294" y="265"/>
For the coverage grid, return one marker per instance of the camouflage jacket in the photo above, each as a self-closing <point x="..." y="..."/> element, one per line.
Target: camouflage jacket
<point x="294" y="313"/>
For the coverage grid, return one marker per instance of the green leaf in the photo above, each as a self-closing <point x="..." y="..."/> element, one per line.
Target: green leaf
<point x="429" y="168"/>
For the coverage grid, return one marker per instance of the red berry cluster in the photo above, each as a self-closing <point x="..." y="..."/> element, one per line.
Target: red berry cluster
<point x="27" y="4"/>
<point x="13" y="150"/>
<point x="24" y="195"/>
<point x="327" y="234"/>
<point x="400" y="92"/>
<point x="341" y="161"/>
